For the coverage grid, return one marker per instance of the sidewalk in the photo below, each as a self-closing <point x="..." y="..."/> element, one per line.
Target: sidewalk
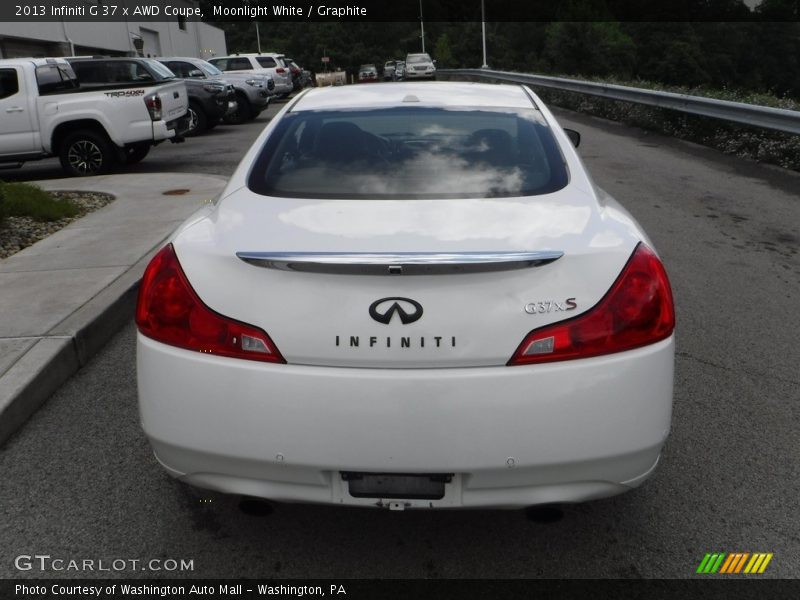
<point x="64" y="297"/>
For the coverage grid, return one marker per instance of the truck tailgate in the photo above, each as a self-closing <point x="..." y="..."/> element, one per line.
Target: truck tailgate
<point x="174" y="100"/>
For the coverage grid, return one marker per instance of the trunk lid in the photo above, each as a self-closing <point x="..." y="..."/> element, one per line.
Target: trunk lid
<point x="317" y="275"/>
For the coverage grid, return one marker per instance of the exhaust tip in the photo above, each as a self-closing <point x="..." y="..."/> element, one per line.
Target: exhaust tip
<point x="255" y="507"/>
<point x="546" y="513"/>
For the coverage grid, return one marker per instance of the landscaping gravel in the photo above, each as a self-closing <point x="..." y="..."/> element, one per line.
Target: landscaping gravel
<point x="20" y="232"/>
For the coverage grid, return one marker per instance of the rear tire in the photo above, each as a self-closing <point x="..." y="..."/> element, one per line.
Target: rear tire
<point x="86" y="153"/>
<point x="243" y="111"/>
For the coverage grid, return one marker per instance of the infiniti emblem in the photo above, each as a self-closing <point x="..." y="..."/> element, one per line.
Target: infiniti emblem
<point x="383" y="310"/>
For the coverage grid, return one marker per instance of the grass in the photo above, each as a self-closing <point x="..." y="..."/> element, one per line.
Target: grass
<point x="25" y="200"/>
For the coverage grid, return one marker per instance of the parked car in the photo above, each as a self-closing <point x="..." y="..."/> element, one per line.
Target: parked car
<point x="389" y="69"/>
<point x="91" y="125"/>
<point x="252" y="92"/>
<point x="367" y="73"/>
<point x="423" y="304"/>
<point x="420" y="66"/>
<point x="399" y="70"/>
<point x="267" y="63"/>
<point x="209" y="101"/>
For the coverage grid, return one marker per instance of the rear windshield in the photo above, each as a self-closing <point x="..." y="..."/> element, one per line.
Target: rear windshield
<point x="410" y="153"/>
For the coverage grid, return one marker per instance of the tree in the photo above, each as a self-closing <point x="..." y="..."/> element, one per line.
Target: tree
<point x="589" y="48"/>
<point x="443" y="52"/>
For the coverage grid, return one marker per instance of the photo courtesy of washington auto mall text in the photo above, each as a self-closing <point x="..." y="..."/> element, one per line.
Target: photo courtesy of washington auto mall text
<point x="197" y="590"/>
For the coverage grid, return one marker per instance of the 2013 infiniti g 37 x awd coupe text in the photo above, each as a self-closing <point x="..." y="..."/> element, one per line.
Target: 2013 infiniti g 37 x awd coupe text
<point x="409" y="295"/>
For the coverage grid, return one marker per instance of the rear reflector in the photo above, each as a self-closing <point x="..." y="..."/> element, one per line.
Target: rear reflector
<point x="636" y="311"/>
<point x="169" y="311"/>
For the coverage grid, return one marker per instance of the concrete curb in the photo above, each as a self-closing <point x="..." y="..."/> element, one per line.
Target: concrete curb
<point x="58" y="353"/>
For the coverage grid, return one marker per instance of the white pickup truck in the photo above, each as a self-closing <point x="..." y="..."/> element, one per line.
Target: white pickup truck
<point x="45" y="112"/>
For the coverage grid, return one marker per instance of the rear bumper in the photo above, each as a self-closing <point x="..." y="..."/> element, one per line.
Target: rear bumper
<point x="180" y="126"/>
<point x="163" y="130"/>
<point x="511" y="436"/>
<point x="171" y="130"/>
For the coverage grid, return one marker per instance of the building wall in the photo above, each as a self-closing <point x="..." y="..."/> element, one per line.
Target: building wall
<point x="212" y="41"/>
<point x="167" y="38"/>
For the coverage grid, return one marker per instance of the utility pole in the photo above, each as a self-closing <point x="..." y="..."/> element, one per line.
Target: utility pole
<point x="483" y="29"/>
<point x="258" y="33"/>
<point x="421" y="26"/>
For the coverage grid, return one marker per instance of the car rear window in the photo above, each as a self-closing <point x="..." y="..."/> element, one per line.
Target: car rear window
<point x="410" y="153"/>
<point x="266" y="62"/>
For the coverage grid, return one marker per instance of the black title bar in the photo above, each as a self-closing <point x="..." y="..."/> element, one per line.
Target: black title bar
<point x="394" y="10"/>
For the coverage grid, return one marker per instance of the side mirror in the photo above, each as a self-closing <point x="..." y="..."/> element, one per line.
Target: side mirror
<point x="196" y="73"/>
<point x="573" y="136"/>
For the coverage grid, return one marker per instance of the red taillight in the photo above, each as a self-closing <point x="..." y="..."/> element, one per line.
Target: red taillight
<point x="170" y="311"/>
<point x="636" y="311"/>
<point x="153" y="103"/>
<point x="280" y="70"/>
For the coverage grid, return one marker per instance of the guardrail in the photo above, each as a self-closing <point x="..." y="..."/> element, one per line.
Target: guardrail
<point x="779" y="119"/>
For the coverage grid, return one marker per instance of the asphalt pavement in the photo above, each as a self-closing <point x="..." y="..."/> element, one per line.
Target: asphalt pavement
<point x="79" y="479"/>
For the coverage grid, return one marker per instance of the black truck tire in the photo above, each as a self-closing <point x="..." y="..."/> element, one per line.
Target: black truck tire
<point x="87" y="152"/>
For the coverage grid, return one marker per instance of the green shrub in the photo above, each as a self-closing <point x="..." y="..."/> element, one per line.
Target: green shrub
<point x="25" y="200"/>
<point x="2" y="205"/>
<point x="763" y="145"/>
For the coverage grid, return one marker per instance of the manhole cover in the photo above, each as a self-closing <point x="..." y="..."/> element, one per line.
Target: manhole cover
<point x="180" y="192"/>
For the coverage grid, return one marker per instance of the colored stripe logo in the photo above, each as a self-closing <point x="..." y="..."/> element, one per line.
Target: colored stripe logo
<point x="733" y="563"/>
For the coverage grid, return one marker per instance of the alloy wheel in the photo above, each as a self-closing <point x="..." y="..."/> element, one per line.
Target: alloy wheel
<point x="85" y="157"/>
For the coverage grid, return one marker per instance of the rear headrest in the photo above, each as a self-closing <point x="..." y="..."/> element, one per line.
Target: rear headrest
<point x="341" y="141"/>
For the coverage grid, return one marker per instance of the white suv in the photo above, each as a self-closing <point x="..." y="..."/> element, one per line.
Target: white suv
<point x="268" y="62"/>
<point x="420" y="66"/>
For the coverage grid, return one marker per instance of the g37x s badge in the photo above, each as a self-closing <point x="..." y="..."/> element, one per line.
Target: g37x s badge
<point x="547" y="306"/>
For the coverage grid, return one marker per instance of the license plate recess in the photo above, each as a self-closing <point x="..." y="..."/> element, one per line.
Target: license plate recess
<point x="410" y="486"/>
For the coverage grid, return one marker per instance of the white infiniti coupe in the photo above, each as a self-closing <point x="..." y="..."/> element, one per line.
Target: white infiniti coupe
<point x="409" y="295"/>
